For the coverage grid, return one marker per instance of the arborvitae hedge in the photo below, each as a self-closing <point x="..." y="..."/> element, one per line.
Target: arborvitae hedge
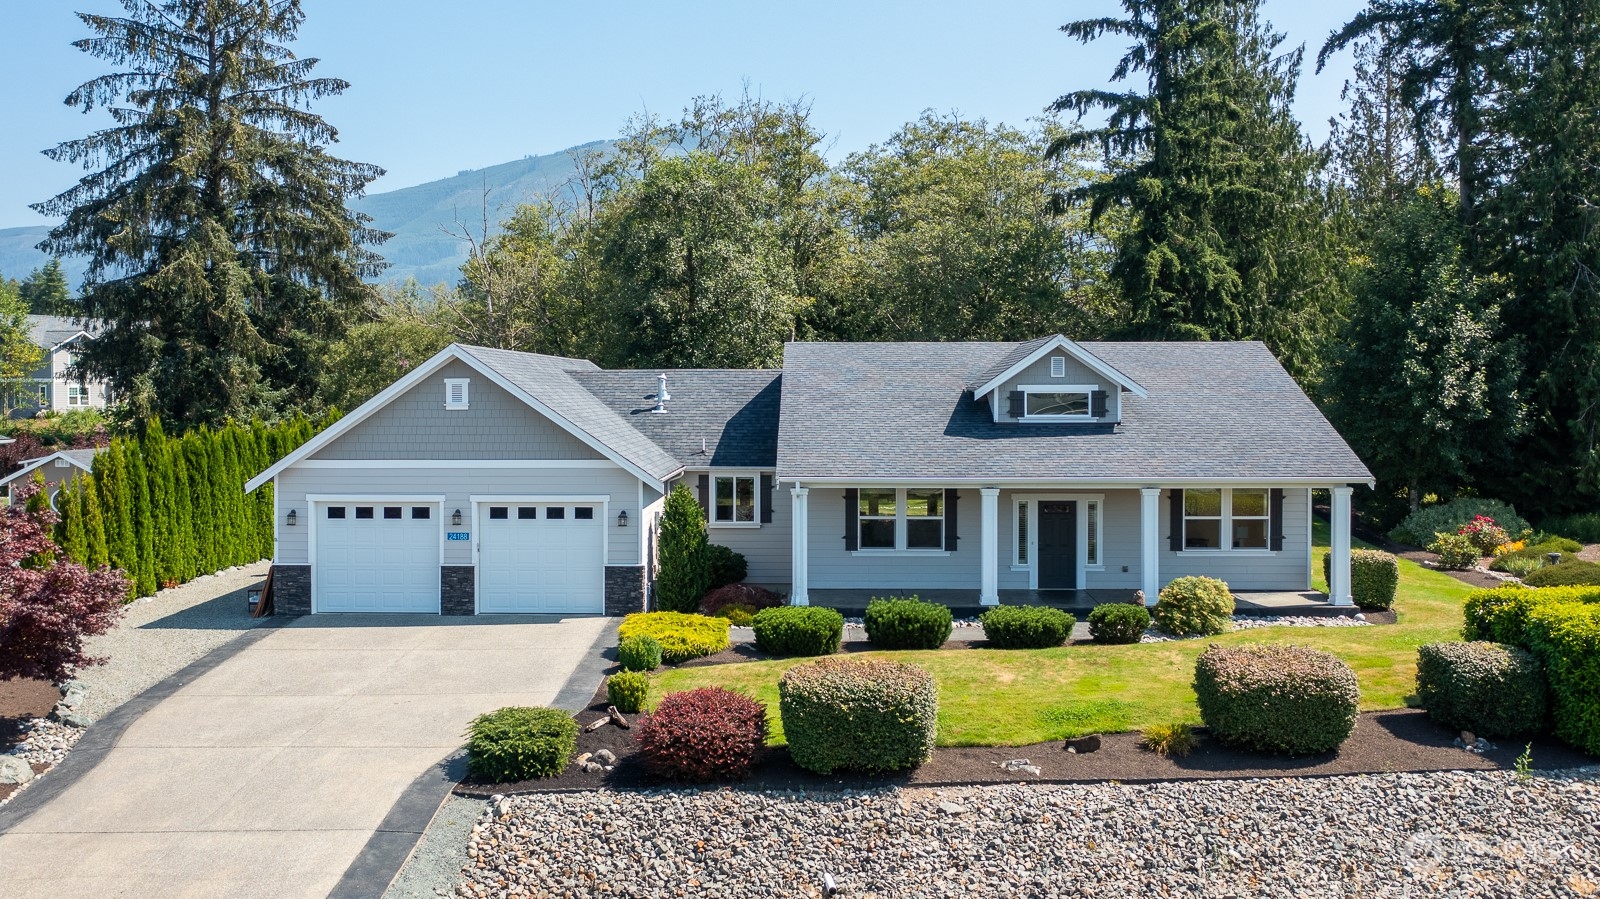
<point x="169" y="509"/>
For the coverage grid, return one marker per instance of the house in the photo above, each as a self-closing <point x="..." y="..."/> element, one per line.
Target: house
<point x="60" y="469"/>
<point x="56" y="388"/>
<point x="496" y="481"/>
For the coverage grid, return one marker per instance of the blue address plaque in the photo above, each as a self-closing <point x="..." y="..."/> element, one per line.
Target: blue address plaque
<point x="458" y="535"/>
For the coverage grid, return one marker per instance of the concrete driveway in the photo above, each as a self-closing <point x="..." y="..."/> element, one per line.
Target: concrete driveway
<point x="268" y="774"/>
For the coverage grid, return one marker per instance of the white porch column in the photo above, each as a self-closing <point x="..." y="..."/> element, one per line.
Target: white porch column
<point x="989" y="583"/>
<point x="800" y="546"/>
<point x="1150" y="543"/>
<point x="1339" y="548"/>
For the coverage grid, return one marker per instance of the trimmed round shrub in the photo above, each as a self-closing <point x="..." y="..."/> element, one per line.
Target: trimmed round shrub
<point x="1118" y="623"/>
<point x="798" y="631"/>
<point x="724" y="566"/>
<point x="627" y="690"/>
<point x="1456" y="552"/>
<point x="682" y="636"/>
<point x="1374" y="577"/>
<point x="702" y="735"/>
<point x="757" y="598"/>
<point x="1026" y="627"/>
<point x="1276" y="698"/>
<point x="1576" y="573"/>
<point x="640" y="652"/>
<point x="1194" y="605"/>
<point x="868" y="715"/>
<point x="520" y="743"/>
<point x="907" y="623"/>
<point x="1420" y="526"/>
<point x="1488" y="688"/>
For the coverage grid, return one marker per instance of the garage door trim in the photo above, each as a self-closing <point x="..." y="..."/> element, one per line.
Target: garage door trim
<point x="315" y="500"/>
<point x="487" y="499"/>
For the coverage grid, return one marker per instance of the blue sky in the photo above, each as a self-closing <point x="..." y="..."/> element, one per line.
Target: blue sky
<point x="441" y="87"/>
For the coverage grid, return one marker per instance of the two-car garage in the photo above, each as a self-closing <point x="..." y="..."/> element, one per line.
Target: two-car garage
<point x="530" y="554"/>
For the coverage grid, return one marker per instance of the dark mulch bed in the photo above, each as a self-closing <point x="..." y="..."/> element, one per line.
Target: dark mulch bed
<point x="1384" y="742"/>
<point x="21" y="700"/>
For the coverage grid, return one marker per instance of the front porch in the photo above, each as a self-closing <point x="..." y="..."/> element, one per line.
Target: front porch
<point x="852" y="603"/>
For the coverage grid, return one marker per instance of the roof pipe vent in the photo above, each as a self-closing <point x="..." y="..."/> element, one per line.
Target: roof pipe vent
<point x="661" y="394"/>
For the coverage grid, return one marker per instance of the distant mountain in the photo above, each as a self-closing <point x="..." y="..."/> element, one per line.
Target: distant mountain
<point x="419" y="217"/>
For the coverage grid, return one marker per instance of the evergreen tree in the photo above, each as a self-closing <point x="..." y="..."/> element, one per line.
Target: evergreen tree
<point x="1212" y="167"/>
<point x="94" y="526"/>
<point x="221" y="252"/>
<point x="143" y="569"/>
<point x="19" y="356"/>
<point x="682" y="574"/>
<point x="202" y="497"/>
<point x="71" y="535"/>
<point x="183" y="517"/>
<point x="110" y="473"/>
<point x="45" y="290"/>
<point x="163" y="503"/>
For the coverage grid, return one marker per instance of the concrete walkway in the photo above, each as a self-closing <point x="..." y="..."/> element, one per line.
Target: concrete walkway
<point x="269" y="773"/>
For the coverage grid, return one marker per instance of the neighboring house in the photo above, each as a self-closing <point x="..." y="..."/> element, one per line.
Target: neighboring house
<point x="56" y="389"/>
<point x="59" y="469"/>
<point x="497" y="481"/>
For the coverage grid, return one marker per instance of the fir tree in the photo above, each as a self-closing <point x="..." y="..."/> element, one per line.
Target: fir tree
<point x="682" y="574"/>
<point x="221" y="252"/>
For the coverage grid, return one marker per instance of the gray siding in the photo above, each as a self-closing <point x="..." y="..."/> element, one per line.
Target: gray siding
<point x="1077" y="373"/>
<point x="1286" y="570"/>
<point x="767" y="548"/>
<point x="834" y="567"/>
<point x="457" y="486"/>
<point x="496" y="425"/>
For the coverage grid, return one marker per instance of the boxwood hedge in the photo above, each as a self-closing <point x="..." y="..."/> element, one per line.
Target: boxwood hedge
<point x="1374" y="577"/>
<point x="868" y="715"/>
<point x="798" y="631"/>
<point x="907" y="623"/>
<point x="1491" y="689"/>
<point x="1276" y="698"/>
<point x="1118" y="623"/>
<point x="1561" y="627"/>
<point x="1026" y="627"/>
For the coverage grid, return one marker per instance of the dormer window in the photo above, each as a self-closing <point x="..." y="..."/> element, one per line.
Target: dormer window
<point x="1075" y="402"/>
<point x="455" y="392"/>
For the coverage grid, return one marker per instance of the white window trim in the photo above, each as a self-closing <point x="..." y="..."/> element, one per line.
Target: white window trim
<point x="1082" y="499"/>
<point x="1226" y="526"/>
<point x="1087" y="389"/>
<point x="450" y="384"/>
<point x="900" y="519"/>
<point x="711" y="513"/>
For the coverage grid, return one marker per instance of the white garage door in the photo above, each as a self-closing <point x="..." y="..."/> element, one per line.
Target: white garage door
<point x="375" y="557"/>
<point x="541" y="557"/>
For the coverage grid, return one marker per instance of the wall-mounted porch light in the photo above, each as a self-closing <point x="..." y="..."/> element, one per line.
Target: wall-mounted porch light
<point x="455" y="518"/>
<point x="622" y="518"/>
<point x="293" y="516"/>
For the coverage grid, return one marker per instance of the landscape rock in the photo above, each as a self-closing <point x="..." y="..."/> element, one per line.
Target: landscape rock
<point x="15" y="770"/>
<point x="1090" y="743"/>
<point x="605" y="757"/>
<point x="952" y="808"/>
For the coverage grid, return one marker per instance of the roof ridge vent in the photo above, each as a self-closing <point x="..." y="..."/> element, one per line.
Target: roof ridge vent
<point x="661" y="394"/>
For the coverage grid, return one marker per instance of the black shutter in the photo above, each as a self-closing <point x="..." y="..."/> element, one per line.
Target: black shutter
<point x="766" y="499"/>
<point x="950" y="535"/>
<point x="1275" y="520"/>
<point x="1018" y="409"/>
<point x="1175" y="507"/>
<point x="852" y="509"/>
<point x="1098" y="404"/>
<point x="705" y="495"/>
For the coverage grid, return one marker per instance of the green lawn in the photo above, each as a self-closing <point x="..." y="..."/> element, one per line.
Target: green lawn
<point x="991" y="697"/>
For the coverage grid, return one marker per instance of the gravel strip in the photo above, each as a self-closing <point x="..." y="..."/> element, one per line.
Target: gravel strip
<point x="160" y="634"/>
<point x="1400" y="835"/>
<point x="436" y="862"/>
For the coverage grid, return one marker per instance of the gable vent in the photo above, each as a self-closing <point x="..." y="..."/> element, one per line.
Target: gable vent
<point x="455" y="393"/>
<point x="1058" y="366"/>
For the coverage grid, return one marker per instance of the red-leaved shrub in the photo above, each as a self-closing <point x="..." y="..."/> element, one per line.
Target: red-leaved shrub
<point x="741" y="594"/>
<point x="702" y="735"/>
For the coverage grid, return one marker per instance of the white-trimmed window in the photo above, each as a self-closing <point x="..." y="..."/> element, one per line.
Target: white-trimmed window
<point x="1221" y="518"/>
<point x="1091" y="530"/>
<point x="455" y="392"/>
<point x="908" y="519"/>
<point x="734" y="500"/>
<point x="77" y="395"/>
<point x="1070" y="402"/>
<point x="1021" y="532"/>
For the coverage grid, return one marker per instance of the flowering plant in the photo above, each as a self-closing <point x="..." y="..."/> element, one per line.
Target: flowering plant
<point x="1514" y="546"/>
<point x="1485" y="534"/>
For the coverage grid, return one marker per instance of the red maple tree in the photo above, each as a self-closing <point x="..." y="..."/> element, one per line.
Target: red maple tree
<point x="48" y="603"/>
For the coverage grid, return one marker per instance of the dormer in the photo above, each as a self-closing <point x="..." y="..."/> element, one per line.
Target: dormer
<point x="1054" y="381"/>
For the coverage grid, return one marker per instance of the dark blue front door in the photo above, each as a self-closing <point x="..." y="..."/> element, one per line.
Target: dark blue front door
<point x="1058" y="546"/>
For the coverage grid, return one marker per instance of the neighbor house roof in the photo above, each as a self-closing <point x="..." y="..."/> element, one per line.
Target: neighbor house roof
<point x="1213" y="412"/>
<point x="51" y="331"/>
<point x="79" y="458"/>
<point x="723" y="418"/>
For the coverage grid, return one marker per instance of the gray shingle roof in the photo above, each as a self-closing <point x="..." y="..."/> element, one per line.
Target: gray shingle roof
<point x="549" y="379"/>
<point x="1003" y="361"/>
<point x="734" y="411"/>
<point x="904" y="410"/>
<point x="50" y="331"/>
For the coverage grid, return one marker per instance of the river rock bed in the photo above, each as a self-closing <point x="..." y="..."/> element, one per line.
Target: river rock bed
<point x="1459" y="834"/>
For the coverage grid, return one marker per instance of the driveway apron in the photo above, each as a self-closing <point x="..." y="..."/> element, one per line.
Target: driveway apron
<point x="267" y="775"/>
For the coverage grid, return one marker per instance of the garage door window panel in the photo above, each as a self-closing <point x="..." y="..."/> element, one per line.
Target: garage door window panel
<point x="364" y="512"/>
<point x="583" y="513"/>
<point x="527" y="513"/>
<point x="556" y="513"/>
<point x="336" y="512"/>
<point x="499" y="513"/>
